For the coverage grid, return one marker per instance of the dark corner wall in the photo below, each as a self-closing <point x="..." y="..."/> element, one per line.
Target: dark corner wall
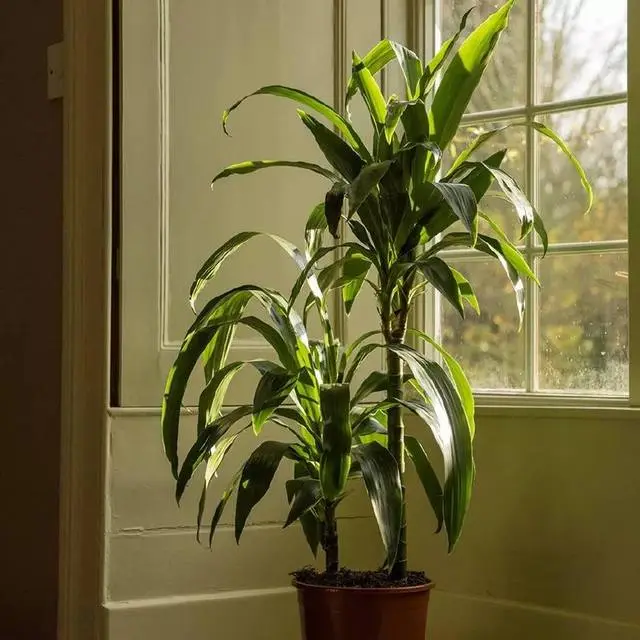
<point x="30" y="319"/>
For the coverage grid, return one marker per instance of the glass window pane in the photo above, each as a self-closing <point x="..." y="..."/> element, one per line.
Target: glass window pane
<point x="504" y="83"/>
<point x="513" y="139"/>
<point x="584" y="323"/>
<point x="581" y="48"/>
<point x="598" y="137"/>
<point x="488" y="346"/>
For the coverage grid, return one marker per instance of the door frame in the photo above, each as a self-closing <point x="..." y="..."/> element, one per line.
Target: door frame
<point x="85" y="322"/>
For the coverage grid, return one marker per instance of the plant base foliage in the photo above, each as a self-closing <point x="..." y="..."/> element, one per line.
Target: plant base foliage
<point x="358" y="579"/>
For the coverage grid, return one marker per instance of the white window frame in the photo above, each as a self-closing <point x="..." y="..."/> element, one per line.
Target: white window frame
<point x="429" y="317"/>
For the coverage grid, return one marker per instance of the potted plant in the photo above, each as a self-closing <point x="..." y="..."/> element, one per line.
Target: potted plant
<point x="401" y="209"/>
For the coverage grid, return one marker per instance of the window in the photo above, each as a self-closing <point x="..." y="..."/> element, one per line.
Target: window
<point x="563" y="62"/>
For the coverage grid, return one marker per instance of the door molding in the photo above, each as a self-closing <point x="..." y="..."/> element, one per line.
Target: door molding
<point x="86" y="131"/>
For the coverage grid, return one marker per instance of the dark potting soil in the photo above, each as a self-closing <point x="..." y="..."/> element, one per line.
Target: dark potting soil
<point x="361" y="579"/>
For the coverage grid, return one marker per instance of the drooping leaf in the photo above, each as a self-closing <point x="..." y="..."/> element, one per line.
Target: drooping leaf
<point x="333" y="200"/>
<point x="354" y="273"/>
<point x="310" y="102"/>
<point x="463" y="203"/>
<point x="306" y="494"/>
<point x="226" y="496"/>
<point x="427" y="476"/>
<point x="205" y="441"/>
<point x="552" y="135"/>
<point x="250" y="166"/>
<point x="365" y="183"/>
<point x="466" y="290"/>
<point x="192" y="348"/>
<point x="463" y="75"/>
<point x="382" y="481"/>
<point x="212" y="396"/>
<point x="458" y="376"/>
<point x="336" y="439"/>
<point x="359" y="358"/>
<point x="516" y="196"/>
<point x="439" y="274"/>
<point x="212" y="265"/>
<point x="337" y="152"/>
<point x="448" y="421"/>
<point x="271" y="391"/>
<point x="311" y="525"/>
<point x="257" y="474"/>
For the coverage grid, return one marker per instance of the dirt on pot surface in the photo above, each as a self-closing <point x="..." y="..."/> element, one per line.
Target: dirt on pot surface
<point x="359" y="579"/>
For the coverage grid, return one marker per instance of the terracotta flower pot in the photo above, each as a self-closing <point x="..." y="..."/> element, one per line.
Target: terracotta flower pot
<point x="352" y="613"/>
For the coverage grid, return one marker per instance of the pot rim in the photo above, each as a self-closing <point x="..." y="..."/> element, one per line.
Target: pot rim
<point x="400" y="590"/>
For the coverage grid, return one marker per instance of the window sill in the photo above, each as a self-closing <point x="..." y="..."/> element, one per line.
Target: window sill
<point x="547" y="405"/>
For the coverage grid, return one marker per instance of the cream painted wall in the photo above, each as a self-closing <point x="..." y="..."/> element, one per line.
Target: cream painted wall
<point x="550" y="548"/>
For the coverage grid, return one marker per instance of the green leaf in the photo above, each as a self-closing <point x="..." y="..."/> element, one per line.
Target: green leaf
<point x="272" y="390"/>
<point x="225" y="313"/>
<point x="448" y="421"/>
<point x="313" y="230"/>
<point x="369" y="90"/>
<point x="192" y="348"/>
<point x="212" y="396"/>
<point x="211" y="266"/>
<point x="257" y="474"/>
<point x="311" y="102"/>
<point x="427" y="476"/>
<point x="335" y="462"/>
<point x="382" y="481"/>
<point x="209" y="269"/>
<point x="217" y="455"/>
<point x="516" y="196"/>
<point x="379" y="57"/>
<point x="205" y="441"/>
<point x="430" y="74"/>
<point x="375" y="382"/>
<point x="462" y="202"/>
<point x="411" y="67"/>
<point x="439" y="274"/>
<point x="474" y="145"/>
<point x="463" y="75"/>
<point x="552" y="135"/>
<point x="311" y="525"/>
<point x="457" y="374"/>
<point x="538" y="225"/>
<point x="466" y="290"/>
<point x="306" y="493"/>
<point x="365" y="183"/>
<point x="226" y="496"/>
<point x="333" y="201"/>
<point x="354" y="273"/>
<point x="250" y="166"/>
<point x="395" y="109"/>
<point x="359" y="358"/>
<point x="480" y="140"/>
<point x="337" y="152"/>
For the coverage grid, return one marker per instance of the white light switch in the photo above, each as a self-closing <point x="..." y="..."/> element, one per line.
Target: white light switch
<point x="55" y="71"/>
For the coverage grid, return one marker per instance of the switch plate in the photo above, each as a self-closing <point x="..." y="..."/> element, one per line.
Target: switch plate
<point x="55" y="71"/>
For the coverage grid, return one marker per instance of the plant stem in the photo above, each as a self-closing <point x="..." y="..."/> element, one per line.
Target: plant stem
<point x="330" y="542"/>
<point x="395" y="428"/>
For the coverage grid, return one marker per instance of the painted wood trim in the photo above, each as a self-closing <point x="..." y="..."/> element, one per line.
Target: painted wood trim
<point x="87" y="109"/>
